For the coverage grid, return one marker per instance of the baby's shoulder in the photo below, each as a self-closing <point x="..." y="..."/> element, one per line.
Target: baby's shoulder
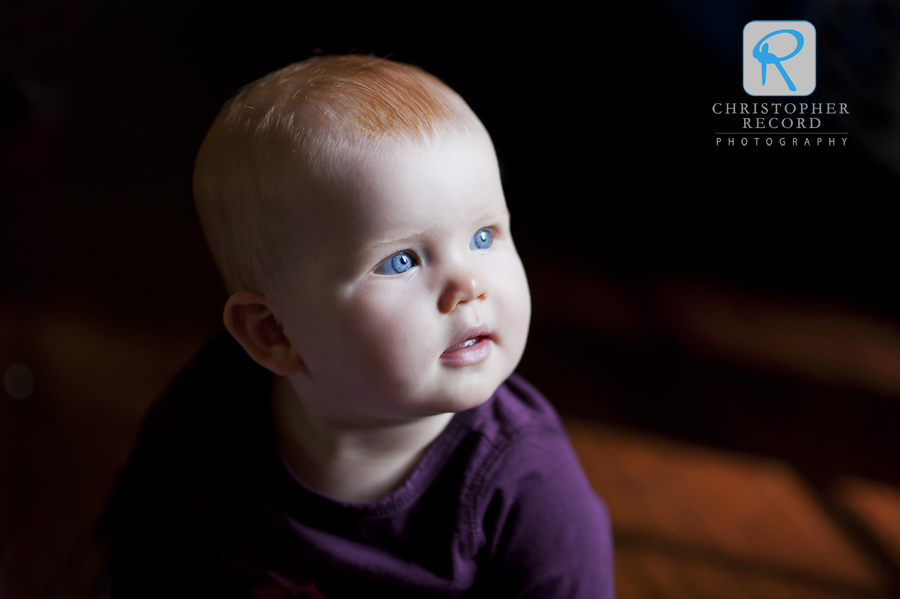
<point x="516" y="410"/>
<point x="528" y="499"/>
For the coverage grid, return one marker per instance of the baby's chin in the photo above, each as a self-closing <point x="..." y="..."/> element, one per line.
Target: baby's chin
<point x="471" y="393"/>
<point x="470" y="402"/>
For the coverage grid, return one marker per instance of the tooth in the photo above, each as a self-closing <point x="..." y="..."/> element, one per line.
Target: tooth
<point x="468" y="343"/>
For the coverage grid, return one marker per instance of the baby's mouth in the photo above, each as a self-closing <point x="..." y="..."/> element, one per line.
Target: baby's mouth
<point x="472" y="347"/>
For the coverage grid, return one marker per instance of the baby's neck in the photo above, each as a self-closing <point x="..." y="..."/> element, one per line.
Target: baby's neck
<point x="345" y="462"/>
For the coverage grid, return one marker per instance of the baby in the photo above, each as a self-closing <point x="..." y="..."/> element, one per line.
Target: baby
<point x="360" y="432"/>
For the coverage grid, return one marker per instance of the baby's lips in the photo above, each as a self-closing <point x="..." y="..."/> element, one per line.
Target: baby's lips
<point x="468" y="338"/>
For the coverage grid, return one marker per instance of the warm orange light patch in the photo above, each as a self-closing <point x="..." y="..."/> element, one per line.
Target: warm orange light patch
<point x="877" y="506"/>
<point x="693" y="522"/>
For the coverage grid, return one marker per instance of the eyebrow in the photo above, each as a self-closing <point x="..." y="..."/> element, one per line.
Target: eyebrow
<point x="373" y="245"/>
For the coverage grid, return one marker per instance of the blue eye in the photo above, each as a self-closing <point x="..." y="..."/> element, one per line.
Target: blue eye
<point x="482" y="240"/>
<point x="397" y="264"/>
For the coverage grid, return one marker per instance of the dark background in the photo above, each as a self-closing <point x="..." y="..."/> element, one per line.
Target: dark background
<point x="604" y="129"/>
<point x="624" y="211"/>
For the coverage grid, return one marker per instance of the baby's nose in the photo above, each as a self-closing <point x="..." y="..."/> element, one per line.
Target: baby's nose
<point x="460" y="289"/>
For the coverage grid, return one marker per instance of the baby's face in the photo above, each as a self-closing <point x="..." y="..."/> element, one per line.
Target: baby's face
<point x="411" y="299"/>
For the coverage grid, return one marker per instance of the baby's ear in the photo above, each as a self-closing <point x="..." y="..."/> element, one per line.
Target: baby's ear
<point x="250" y="320"/>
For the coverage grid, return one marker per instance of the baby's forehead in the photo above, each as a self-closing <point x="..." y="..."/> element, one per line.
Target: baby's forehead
<point x="353" y="175"/>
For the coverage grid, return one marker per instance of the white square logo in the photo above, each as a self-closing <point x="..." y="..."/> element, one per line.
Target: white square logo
<point x="779" y="58"/>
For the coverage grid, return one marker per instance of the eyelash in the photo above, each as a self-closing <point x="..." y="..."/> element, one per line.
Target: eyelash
<point x="407" y="260"/>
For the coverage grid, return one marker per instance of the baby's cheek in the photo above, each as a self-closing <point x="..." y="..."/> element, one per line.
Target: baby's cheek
<point x="391" y="330"/>
<point x="514" y="306"/>
<point x="513" y="290"/>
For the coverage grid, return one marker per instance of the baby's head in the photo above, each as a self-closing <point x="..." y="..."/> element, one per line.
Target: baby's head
<point x="354" y="208"/>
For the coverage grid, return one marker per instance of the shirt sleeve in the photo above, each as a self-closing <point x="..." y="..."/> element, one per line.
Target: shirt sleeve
<point x="547" y="533"/>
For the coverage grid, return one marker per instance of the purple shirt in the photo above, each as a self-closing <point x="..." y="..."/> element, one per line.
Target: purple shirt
<point x="497" y="507"/>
